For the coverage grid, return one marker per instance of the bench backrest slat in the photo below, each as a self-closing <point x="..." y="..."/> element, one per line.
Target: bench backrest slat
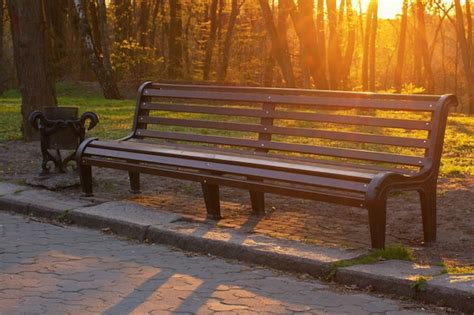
<point x="412" y="105"/>
<point x="303" y="132"/>
<point x="288" y="147"/>
<point x="304" y="116"/>
<point x="384" y="131"/>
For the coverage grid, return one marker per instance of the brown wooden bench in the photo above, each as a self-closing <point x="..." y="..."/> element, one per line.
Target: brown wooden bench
<point x="339" y="147"/>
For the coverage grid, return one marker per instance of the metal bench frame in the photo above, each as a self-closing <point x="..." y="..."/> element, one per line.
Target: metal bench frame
<point x="261" y="172"/>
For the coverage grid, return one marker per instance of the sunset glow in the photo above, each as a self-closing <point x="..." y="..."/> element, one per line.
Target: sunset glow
<point x="388" y="9"/>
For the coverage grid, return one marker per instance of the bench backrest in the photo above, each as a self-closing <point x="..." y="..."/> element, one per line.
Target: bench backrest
<point x="381" y="131"/>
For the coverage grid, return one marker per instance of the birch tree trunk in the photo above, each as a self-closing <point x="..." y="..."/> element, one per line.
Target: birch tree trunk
<point x="104" y="36"/>
<point x="106" y="80"/>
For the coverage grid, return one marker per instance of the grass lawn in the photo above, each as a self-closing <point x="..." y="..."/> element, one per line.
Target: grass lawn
<point x="116" y="118"/>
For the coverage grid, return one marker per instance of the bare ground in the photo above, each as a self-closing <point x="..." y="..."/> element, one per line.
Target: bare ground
<point x="288" y="218"/>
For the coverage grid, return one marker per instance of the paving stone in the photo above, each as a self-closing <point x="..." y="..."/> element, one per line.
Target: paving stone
<point x="398" y="269"/>
<point x="461" y="282"/>
<point x="85" y="271"/>
<point x="8" y="188"/>
<point x="128" y="212"/>
<point x="29" y="200"/>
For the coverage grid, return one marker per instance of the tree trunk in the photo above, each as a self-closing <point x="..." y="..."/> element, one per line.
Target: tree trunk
<point x="107" y="82"/>
<point x="122" y="9"/>
<point x="143" y="23"/>
<point x="279" y="48"/>
<point x="465" y="54"/>
<point x="31" y="60"/>
<point x="401" y="47"/>
<point x="349" y="52"/>
<point x="3" y="78"/>
<point x="56" y="19"/>
<point x="152" y="34"/>
<point x="366" y="47"/>
<point x="210" y="41"/>
<point x="104" y="37"/>
<point x="469" y="30"/>
<point x="92" y="11"/>
<point x="469" y="25"/>
<point x="175" y="58"/>
<point x="334" y="50"/>
<point x="423" y="42"/>
<point x="417" y="69"/>
<point x="373" y="46"/>
<point x="307" y="34"/>
<point x="321" y="47"/>
<point x="228" y="40"/>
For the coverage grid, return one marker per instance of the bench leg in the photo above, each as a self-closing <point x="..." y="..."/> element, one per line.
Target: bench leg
<point x="258" y="202"/>
<point x="211" y="198"/>
<point x="134" y="182"/>
<point x="377" y="222"/>
<point x="85" y="175"/>
<point x="428" y="212"/>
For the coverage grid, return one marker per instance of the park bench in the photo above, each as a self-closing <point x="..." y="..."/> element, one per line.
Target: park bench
<point x="339" y="147"/>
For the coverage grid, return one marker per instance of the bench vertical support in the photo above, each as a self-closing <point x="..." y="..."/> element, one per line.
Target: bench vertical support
<point x="257" y="199"/>
<point x="428" y="211"/>
<point x="134" y="182"/>
<point x="211" y="198"/>
<point x="377" y="221"/>
<point x="85" y="175"/>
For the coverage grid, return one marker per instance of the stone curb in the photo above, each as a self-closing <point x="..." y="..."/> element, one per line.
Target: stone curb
<point x="438" y="294"/>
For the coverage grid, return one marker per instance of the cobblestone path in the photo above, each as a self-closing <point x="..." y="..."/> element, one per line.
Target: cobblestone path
<point x="48" y="269"/>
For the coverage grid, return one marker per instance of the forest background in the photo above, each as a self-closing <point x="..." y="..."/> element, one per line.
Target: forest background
<point x="406" y="46"/>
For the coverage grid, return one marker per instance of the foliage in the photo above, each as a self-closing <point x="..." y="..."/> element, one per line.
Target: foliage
<point x="135" y="63"/>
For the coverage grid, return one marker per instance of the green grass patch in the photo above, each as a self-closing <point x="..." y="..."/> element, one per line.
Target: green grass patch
<point x="391" y="252"/>
<point x="420" y="284"/>
<point x="63" y="217"/>
<point x="398" y="252"/>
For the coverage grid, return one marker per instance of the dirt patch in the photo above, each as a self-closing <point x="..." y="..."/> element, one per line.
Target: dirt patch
<point x="288" y="218"/>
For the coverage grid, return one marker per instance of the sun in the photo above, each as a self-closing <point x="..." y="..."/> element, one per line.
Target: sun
<point x="388" y="9"/>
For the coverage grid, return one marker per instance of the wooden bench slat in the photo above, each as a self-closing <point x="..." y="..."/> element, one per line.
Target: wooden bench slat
<point x="299" y="148"/>
<point x="302" y="132"/>
<point x="296" y="91"/>
<point x="335" y="102"/>
<point x="297" y="160"/>
<point x="231" y="169"/>
<point x="332" y="197"/>
<point x="289" y="115"/>
<point x="241" y="159"/>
